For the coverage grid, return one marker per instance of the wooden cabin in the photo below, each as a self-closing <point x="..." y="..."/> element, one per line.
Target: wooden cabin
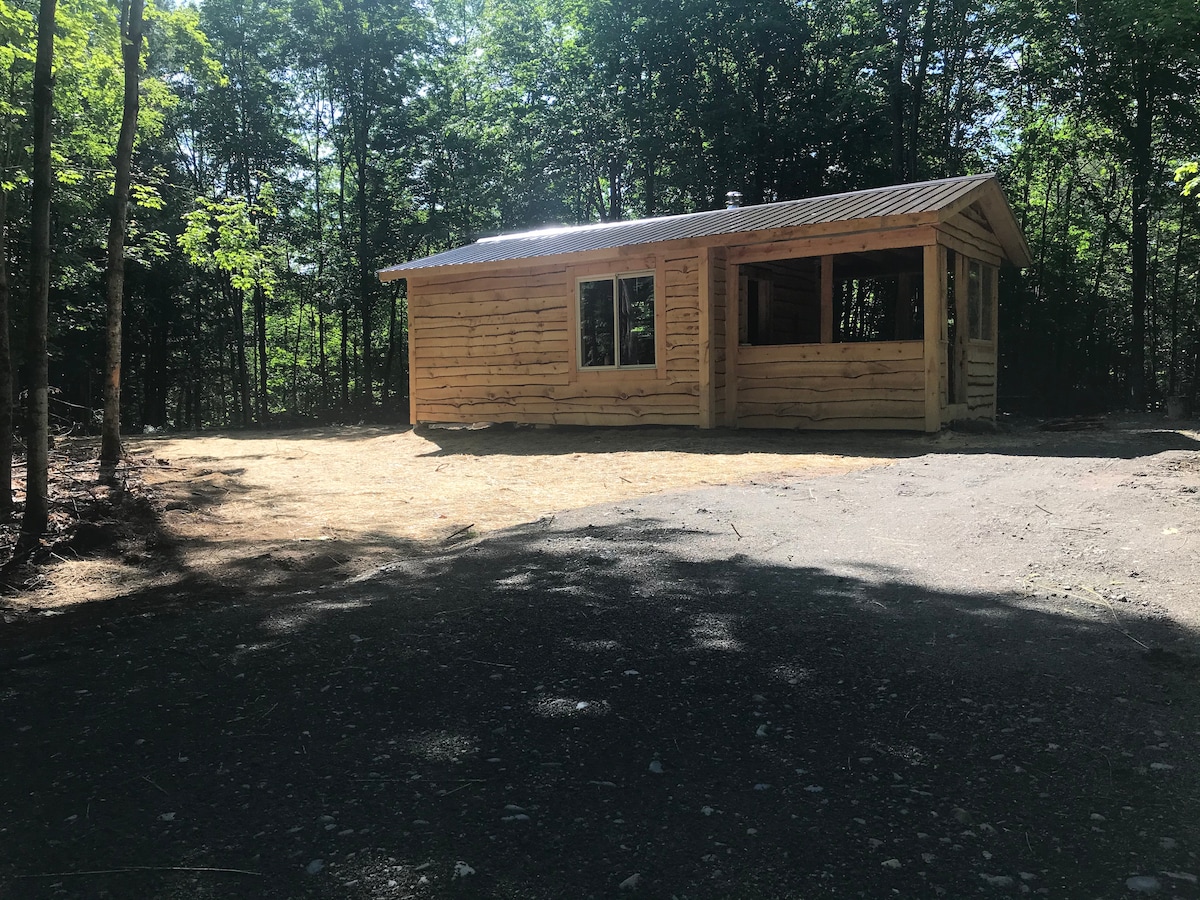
<point x="872" y="309"/>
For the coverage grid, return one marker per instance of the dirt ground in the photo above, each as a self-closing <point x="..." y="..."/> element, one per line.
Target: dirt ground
<point x="930" y="667"/>
<point x="268" y="509"/>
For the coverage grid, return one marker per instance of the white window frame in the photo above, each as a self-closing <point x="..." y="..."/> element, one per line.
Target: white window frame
<point x="614" y="278"/>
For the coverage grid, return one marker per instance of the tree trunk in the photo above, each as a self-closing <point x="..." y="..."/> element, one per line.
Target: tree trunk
<point x="345" y="349"/>
<point x="1173" y="360"/>
<point x="131" y="53"/>
<point x="296" y="357"/>
<point x="236" y="304"/>
<point x="37" y="455"/>
<point x="260" y="334"/>
<point x="323" y="356"/>
<point x="896" y="90"/>
<point x="345" y="368"/>
<point x="194" y="363"/>
<point x="366" y="289"/>
<point x="918" y="95"/>
<point x="6" y="379"/>
<point x="391" y="351"/>
<point x="1142" y="153"/>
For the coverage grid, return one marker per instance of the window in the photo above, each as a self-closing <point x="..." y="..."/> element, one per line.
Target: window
<point x="616" y="322"/>
<point x="873" y="295"/>
<point x="981" y="284"/>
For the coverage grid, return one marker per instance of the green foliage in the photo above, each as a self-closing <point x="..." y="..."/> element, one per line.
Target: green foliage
<point x="223" y="235"/>
<point x="1188" y="175"/>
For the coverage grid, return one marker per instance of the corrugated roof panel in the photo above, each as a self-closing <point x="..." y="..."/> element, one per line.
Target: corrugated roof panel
<point x="900" y="204"/>
<point x="901" y="199"/>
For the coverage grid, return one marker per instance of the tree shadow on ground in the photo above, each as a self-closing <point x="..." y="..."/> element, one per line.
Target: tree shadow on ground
<point x="562" y="709"/>
<point x="251" y="436"/>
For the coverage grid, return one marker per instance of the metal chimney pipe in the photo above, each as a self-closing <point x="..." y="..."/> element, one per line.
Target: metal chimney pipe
<point x="733" y="200"/>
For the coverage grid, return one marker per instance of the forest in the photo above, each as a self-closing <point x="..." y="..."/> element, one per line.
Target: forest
<point x="284" y="150"/>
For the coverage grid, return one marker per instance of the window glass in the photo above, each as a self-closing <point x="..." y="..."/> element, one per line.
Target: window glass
<point x="596" y="331"/>
<point x="636" y="316"/>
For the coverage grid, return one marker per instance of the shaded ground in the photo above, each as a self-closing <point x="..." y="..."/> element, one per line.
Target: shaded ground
<point x="970" y="673"/>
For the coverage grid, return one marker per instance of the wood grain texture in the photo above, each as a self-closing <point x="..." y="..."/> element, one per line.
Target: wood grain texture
<point x="501" y="347"/>
<point x="832" y="385"/>
<point x="935" y="326"/>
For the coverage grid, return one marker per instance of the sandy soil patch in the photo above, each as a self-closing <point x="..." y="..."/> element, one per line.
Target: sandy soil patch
<point x="267" y="509"/>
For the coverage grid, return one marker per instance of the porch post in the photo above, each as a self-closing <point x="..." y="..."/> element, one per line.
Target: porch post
<point x="826" y="299"/>
<point x="935" y="336"/>
<point x="732" y="304"/>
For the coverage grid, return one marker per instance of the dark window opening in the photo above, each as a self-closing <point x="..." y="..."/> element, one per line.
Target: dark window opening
<point x="877" y="296"/>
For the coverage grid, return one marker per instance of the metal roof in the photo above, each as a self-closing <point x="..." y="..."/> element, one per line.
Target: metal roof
<point x="895" y="200"/>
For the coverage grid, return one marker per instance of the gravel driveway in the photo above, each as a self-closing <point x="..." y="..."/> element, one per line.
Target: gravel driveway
<point x="972" y="672"/>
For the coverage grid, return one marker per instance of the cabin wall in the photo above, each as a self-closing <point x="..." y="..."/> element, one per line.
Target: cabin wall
<point x="981" y="379"/>
<point x="501" y="347"/>
<point x="876" y="385"/>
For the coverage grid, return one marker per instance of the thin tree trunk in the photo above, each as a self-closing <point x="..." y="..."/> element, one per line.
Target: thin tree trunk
<point x="345" y="349"/>
<point x="296" y="357"/>
<point x="896" y="90"/>
<point x="323" y="355"/>
<point x="236" y="304"/>
<point x="918" y="94"/>
<point x="366" y="288"/>
<point x="318" y="303"/>
<point x="391" y="351"/>
<point x="6" y="378"/>
<point x="37" y="454"/>
<point x="1142" y="148"/>
<point x="345" y="369"/>
<point x="194" y="366"/>
<point x="1173" y="363"/>
<point x="131" y="53"/>
<point x="260" y="334"/>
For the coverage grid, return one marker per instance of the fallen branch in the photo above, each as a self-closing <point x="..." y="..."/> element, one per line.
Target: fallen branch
<point x="455" y="534"/>
<point x="484" y="662"/>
